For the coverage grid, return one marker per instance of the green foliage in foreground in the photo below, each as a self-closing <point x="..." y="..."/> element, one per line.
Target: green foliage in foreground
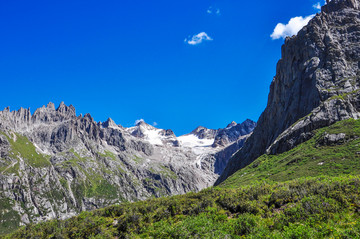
<point x="323" y="207"/>
<point x="311" y="158"/>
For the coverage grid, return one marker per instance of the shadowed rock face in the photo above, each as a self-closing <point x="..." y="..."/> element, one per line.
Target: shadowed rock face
<point x="233" y="132"/>
<point x="54" y="164"/>
<point x="316" y="84"/>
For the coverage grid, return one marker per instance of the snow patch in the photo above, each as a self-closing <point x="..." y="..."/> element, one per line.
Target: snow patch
<point x="199" y="146"/>
<point x="153" y="136"/>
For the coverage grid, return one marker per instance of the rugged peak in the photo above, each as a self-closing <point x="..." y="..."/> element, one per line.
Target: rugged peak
<point x="88" y="116"/>
<point x="232" y="124"/>
<point x="336" y="5"/>
<point x="249" y="123"/>
<point x="66" y="110"/>
<point x="204" y="133"/>
<point x="167" y="132"/>
<point x="50" y="106"/>
<point x="109" y="123"/>
<point x="140" y="122"/>
<point x="233" y="132"/>
<point x="198" y="129"/>
<point x="143" y="125"/>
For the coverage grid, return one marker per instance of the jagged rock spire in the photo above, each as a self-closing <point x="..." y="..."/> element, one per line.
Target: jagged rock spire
<point x="50" y="106"/>
<point x="109" y="123"/>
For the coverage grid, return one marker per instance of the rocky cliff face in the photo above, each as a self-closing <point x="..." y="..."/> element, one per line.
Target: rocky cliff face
<point x="233" y="132"/>
<point x="316" y="84"/>
<point x="54" y="164"/>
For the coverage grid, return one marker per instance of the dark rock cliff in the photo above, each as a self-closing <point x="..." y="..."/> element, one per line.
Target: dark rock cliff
<point x="316" y="84"/>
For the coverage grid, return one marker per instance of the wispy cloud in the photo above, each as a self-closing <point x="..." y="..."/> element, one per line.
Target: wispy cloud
<point x="212" y="10"/>
<point x="198" y="38"/>
<point x="139" y="121"/>
<point x="155" y="124"/>
<point x="291" y="28"/>
<point x="317" y="6"/>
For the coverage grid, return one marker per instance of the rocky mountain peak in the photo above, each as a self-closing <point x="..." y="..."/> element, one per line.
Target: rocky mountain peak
<point x="233" y="132"/>
<point x="88" y="116"/>
<point x="68" y="111"/>
<point x="232" y="124"/>
<point x="50" y="106"/>
<point x="49" y="114"/>
<point x="204" y="133"/>
<point x="109" y="123"/>
<point x="336" y="5"/>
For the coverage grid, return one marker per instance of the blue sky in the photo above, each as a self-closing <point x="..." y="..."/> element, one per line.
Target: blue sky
<point x="133" y="59"/>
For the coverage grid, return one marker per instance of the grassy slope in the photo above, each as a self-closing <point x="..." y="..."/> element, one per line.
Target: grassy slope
<point x="259" y="201"/>
<point x="308" y="159"/>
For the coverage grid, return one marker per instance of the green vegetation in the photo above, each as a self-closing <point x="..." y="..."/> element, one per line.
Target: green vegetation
<point x="101" y="188"/>
<point x="167" y="172"/>
<point x="164" y="171"/>
<point x="307" y="159"/>
<point x="10" y="168"/>
<point x="324" y="207"/>
<point x="138" y="160"/>
<point x="21" y="146"/>
<point x="95" y="185"/>
<point x="9" y="219"/>
<point x="311" y="191"/>
<point x="108" y="154"/>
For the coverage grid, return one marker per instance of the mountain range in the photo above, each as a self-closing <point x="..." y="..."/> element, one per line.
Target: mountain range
<point x="55" y="164"/>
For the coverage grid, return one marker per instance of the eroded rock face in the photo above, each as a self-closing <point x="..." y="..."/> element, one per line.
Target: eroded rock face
<point x="54" y="164"/>
<point x="233" y="132"/>
<point x="316" y="84"/>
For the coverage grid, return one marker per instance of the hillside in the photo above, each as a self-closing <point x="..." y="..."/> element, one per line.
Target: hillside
<point x="312" y="191"/>
<point x="332" y="151"/>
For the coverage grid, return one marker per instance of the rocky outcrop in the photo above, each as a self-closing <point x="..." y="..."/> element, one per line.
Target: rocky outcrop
<point x="316" y="84"/>
<point x="331" y="139"/>
<point x="233" y="132"/>
<point x="204" y="133"/>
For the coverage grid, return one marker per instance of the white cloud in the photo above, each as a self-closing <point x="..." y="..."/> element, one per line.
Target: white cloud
<point x="317" y="6"/>
<point x="291" y="28"/>
<point x="198" y="38"/>
<point x="212" y="10"/>
<point x="139" y="121"/>
<point x="155" y="124"/>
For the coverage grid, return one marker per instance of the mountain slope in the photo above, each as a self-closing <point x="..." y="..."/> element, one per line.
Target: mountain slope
<point x="316" y="84"/>
<point x="307" y="208"/>
<point x="55" y="164"/>
<point x="332" y="151"/>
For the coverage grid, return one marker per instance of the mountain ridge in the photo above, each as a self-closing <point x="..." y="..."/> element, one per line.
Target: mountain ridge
<point x="55" y="164"/>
